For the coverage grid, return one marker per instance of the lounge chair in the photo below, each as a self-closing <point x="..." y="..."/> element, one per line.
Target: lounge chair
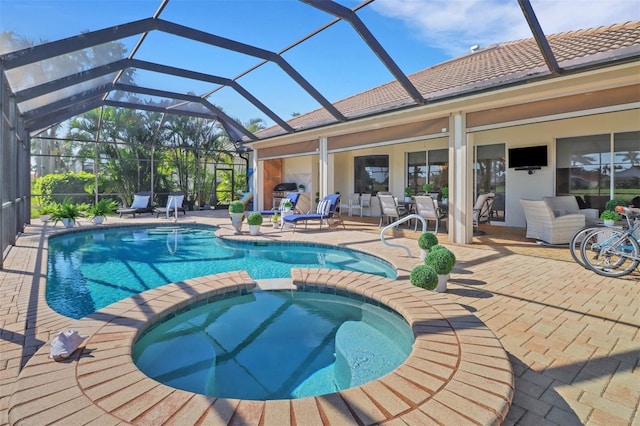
<point x="325" y="211"/>
<point x="293" y="197"/>
<point x="174" y="204"/>
<point x="141" y="204"/>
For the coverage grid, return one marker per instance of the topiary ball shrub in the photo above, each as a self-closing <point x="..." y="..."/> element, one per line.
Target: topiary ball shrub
<point x="442" y="260"/>
<point x="424" y="276"/>
<point x="236" y="207"/>
<point x="255" y="218"/>
<point x="438" y="247"/>
<point x="427" y="240"/>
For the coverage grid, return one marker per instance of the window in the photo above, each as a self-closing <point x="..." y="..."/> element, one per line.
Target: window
<point x="371" y="174"/>
<point x="589" y="166"/>
<point x="438" y="168"/>
<point x="626" y="165"/>
<point x="489" y="176"/>
<point x="416" y="170"/>
<point x="427" y="167"/>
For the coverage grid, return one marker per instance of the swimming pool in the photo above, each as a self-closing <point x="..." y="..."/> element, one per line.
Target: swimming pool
<point x="89" y="270"/>
<point x="275" y="345"/>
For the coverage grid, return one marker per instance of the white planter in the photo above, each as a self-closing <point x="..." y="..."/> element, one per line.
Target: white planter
<point x="609" y="222"/>
<point x="442" y="283"/>
<point x="44" y="218"/>
<point x="98" y="220"/>
<point x="237" y="220"/>
<point x="68" y="223"/>
<point x="275" y="225"/>
<point x="254" y="229"/>
<point x="423" y="253"/>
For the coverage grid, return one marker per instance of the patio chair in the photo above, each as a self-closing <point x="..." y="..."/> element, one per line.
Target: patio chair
<point x="389" y="208"/>
<point x="482" y="208"/>
<point x="141" y="204"/>
<point x="543" y="225"/>
<point x="428" y="209"/>
<point x="325" y="211"/>
<point x="359" y="202"/>
<point x="174" y="204"/>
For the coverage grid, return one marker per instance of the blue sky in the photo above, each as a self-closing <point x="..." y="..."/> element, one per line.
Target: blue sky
<point x="417" y="34"/>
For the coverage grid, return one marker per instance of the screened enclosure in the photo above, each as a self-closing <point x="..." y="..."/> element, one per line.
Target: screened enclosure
<point x="106" y="99"/>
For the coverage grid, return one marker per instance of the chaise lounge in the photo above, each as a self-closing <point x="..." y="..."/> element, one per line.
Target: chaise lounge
<point x="141" y="204"/>
<point x="174" y="204"/>
<point x="293" y="197"/>
<point x="325" y="211"/>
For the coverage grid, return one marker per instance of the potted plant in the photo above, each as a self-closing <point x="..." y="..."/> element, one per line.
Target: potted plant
<point x="609" y="217"/>
<point x="68" y="212"/>
<point x="442" y="260"/>
<point x="100" y="210"/>
<point x="445" y="192"/>
<point x="236" y="212"/>
<point x="424" y="276"/>
<point x="408" y="192"/>
<point x="425" y="242"/>
<point x="426" y="187"/>
<point x="254" y="220"/>
<point x="275" y="219"/>
<point x="301" y="188"/>
<point x="287" y="205"/>
<point x="45" y="211"/>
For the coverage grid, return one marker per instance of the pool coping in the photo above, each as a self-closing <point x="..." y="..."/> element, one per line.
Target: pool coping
<point x="457" y="372"/>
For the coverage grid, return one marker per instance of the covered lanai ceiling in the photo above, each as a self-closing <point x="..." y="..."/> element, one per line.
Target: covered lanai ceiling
<point x="228" y="60"/>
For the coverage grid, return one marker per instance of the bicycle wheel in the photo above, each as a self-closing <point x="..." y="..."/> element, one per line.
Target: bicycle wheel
<point x="610" y="252"/>
<point x="576" y="243"/>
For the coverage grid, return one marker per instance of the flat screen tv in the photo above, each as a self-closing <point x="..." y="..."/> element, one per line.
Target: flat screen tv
<point x="527" y="158"/>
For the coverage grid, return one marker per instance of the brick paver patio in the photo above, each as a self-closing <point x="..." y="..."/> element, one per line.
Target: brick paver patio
<point x="572" y="337"/>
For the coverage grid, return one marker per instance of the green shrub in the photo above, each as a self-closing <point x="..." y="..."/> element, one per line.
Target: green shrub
<point x="438" y="247"/>
<point x="612" y="203"/>
<point x="236" y="206"/>
<point x="255" y="218"/>
<point x="47" y="208"/>
<point x="424" y="276"/>
<point x="104" y="207"/>
<point x="442" y="260"/>
<point x="49" y="188"/>
<point x="609" y="215"/>
<point x="68" y="210"/>
<point x="427" y="240"/>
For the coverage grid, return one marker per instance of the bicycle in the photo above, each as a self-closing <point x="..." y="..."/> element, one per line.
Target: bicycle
<point x="613" y="252"/>
<point x="576" y="243"/>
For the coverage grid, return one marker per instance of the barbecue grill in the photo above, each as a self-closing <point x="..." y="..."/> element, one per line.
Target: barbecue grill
<point x="281" y="191"/>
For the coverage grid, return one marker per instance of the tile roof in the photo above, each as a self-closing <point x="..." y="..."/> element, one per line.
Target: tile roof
<point x="486" y="68"/>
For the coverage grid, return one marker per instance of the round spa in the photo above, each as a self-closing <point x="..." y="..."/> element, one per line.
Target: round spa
<point x="268" y="345"/>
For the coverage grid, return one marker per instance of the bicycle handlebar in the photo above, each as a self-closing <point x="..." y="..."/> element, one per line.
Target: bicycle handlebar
<point x="628" y="211"/>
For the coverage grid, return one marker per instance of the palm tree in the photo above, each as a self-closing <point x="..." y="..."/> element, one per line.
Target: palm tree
<point x="632" y="157"/>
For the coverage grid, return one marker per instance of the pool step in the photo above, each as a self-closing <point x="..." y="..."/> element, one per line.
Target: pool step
<point x="276" y="284"/>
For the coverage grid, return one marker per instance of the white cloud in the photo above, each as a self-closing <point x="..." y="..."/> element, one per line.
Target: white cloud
<point x="455" y="25"/>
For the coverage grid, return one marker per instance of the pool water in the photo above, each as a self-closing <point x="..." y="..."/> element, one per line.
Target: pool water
<point x="274" y="345"/>
<point x="87" y="271"/>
